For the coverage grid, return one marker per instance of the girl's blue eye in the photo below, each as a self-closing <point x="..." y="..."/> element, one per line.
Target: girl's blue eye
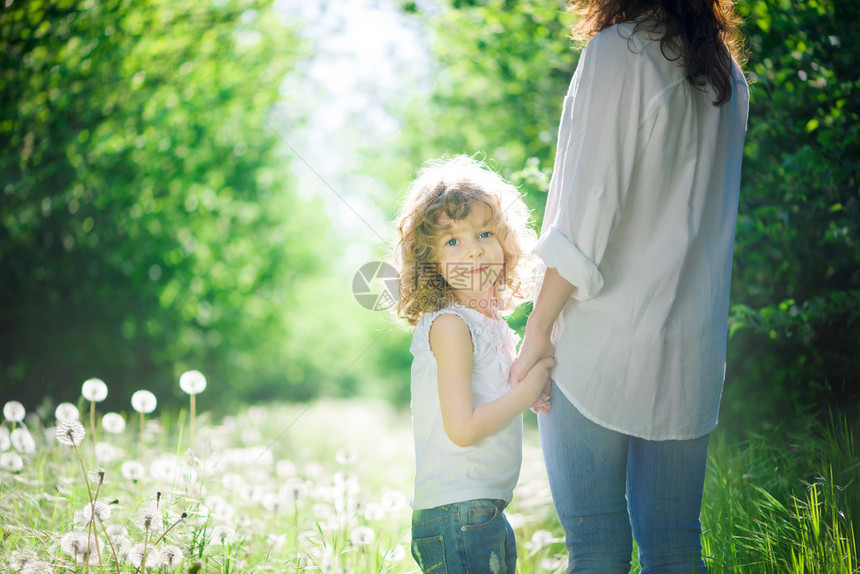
<point x="451" y="242"/>
<point x="485" y="234"/>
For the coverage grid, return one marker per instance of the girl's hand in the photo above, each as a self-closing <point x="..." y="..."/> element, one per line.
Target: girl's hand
<point x="538" y="379"/>
<point x="535" y="345"/>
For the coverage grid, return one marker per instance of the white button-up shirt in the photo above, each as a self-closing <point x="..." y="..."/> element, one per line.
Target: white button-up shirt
<point x="641" y="218"/>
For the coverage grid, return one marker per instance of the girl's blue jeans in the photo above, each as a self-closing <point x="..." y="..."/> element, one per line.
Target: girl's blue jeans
<point x="464" y="537"/>
<point x="609" y="488"/>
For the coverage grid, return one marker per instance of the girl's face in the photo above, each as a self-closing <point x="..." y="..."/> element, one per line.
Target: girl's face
<point x="470" y="257"/>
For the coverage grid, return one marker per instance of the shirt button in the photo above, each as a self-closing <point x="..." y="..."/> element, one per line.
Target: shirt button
<point x="463" y="528"/>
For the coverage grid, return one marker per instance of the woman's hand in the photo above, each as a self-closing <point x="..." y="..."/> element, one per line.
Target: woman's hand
<point x="536" y="345"/>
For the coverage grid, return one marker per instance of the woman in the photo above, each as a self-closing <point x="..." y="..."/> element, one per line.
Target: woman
<point x="637" y="244"/>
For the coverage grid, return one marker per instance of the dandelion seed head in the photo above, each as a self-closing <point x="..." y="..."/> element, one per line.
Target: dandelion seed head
<point x="395" y="555"/>
<point x="171" y="555"/>
<point x="70" y="433"/>
<point x="143" y="401"/>
<point x="295" y="489"/>
<point x="138" y="552"/>
<point x="78" y="545"/>
<point x="113" y="423"/>
<point x="14" y="412"/>
<point x="66" y="412"/>
<point x="285" y="468"/>
<point x="149" y="519"/>
<point x="102" y="511"/>
<point x="37" y="567"/>
<point x="394" y="501"/>
<point x="23" y="441"/>
<point x="346" y="456"/>
<point x="373" y="511"/>
<point x="276" y="542"/>
<point x="132" y="470"/>
<point x="192" y="382"/>
<point x="251" y="436"/>
<point x="540" y="539"/>
<point x="11" y="461"/>
<point x="105" y="452"/>
<point x="94" y="390"/>
<point x="19" y="558"/>
<point x="362" y="536"/>
<point x="223" y="535"/>
<point x="271" y="502"/>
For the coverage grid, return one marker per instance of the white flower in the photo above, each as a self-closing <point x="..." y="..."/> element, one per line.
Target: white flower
<point x="540" y="539"/>
<point x="36" y="566"/>
<point x="285" y="468"/>
<point x="171" y="556"/>
<point x="113" y="423"/>
<point x="14" y="412"/>
<point x="23" y="441"/>
<point x="276" y="542"/>
<point x="94" y="390"/>
<point x="138" y="552"/>
<point x="395" y="555"/>
<point x="143" y="401"/>
<point x="105" y="452"/>
<point x="70" y="433"/>
<point x="223" y="535"/>
<point x="346" y="456"/>
<point x="102" y="511"/>
<point x="362" y="536"/>
<point x="132" y="470"/>
<point x="66" y="412"/>
<point x="5" y="441"/>
<point x="393" y="501"/>
<point x="295" y="489"/>
<point x="11" y="461"/>
<point x="80" y="546"/>
<point x="192" y="382"/>
<point x="373" y="511"/>
<point x="149" y="519"/>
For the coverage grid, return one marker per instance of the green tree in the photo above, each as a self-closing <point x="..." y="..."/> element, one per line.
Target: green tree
<point x="796" y="287"/>
<point x="148" y="222"/>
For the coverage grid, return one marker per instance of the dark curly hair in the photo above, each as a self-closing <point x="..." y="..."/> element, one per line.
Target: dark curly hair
<point x="707" y="29"/>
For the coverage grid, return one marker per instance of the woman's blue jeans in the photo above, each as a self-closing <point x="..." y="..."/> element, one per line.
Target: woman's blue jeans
<point x="609" y="488"/>
<point x="470" y="537"/>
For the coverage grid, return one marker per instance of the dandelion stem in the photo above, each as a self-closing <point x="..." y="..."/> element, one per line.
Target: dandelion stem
<point x="92" y="507"/>
<point x="181" y="518"/>
<point x="193" y="410"/>
<point x="93" y="421"/>
<point x="110" y="543"/>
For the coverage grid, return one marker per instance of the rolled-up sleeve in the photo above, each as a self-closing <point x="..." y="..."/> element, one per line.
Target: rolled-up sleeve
<point x="594" y="161"/>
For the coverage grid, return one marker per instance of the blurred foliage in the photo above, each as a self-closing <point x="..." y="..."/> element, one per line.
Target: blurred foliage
<point x="503" y="69"/>
<point x="148" y="221"/>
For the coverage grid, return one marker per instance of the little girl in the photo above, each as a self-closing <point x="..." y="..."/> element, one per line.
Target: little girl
<point x="463" y="235"/>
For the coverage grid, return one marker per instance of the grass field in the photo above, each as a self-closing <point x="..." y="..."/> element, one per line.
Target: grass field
<point x="325" y="486"/>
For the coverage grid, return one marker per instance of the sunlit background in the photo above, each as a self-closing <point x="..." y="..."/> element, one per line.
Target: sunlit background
<point x="194" y="185"/>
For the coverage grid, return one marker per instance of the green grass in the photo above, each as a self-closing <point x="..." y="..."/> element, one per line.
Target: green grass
<point x="323" y="487"/>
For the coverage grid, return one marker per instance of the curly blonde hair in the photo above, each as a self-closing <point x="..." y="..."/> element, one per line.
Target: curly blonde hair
<point x="449" y="187"/>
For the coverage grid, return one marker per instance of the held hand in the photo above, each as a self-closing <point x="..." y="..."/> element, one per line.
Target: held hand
<point x="535" y="346"/>
<point x="538" y="378"/>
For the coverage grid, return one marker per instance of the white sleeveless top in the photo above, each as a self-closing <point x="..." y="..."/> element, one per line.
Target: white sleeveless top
<point x="444" y="472"/>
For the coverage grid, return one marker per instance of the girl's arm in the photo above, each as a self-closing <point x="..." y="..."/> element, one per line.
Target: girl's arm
<point x="465" y="423"/>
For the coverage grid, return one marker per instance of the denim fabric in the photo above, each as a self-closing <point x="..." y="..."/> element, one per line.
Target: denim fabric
<point x="464" y="537"/>
<point x="603" y="482"/>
